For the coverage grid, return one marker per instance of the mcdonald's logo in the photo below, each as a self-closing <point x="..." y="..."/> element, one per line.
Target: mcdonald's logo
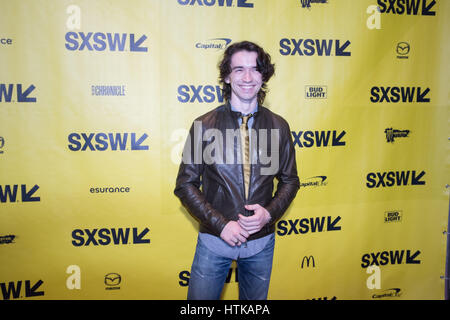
<point x="308" y="259"/>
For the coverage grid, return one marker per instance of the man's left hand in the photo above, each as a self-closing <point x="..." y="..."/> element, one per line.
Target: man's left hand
<point x="254" y="223"/>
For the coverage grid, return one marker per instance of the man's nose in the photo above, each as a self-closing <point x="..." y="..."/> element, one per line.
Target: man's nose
<point x="247" y="75"/>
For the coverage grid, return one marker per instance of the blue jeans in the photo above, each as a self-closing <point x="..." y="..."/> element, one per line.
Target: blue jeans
<point x="209" y="271"/>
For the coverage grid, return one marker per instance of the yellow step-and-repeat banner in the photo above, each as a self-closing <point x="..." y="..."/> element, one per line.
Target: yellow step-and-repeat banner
<point x="96" y="98"/>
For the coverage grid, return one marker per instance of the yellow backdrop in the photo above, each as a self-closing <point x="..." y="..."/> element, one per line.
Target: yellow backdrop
<point x="96" y="98"/>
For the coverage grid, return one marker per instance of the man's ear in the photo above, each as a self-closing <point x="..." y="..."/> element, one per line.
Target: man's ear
<point x="227" y="80"/>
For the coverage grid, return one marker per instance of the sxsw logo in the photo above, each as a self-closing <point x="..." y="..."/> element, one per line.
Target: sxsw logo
<point x="307" y="3"/>
<point x="200" y="94"/>
<point x="106" y="141"/>
<point x="100" y="41"/>
<point x="15" y="290"/>
<point x="305" y="225"/>
<point x="308" y="139"/>
<point x="23" y="93"/>
<point x="390" y="257"/>
<point x="394" y="178"/>
<point x="220" y="3"/>
<point x="408" y="7"/>
<point x="9" y="193"/>
<point x="105" y="236"/>
<point x="311" y="47"/>
<point x="399" y="94"/>
<point x="185" y="276"/>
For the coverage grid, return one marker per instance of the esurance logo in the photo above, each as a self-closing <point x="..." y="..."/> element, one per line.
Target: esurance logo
<point x="200" y="94"/>
<point x="220" y="3"/>
<point x="408" y="7"/>
<point x="314" y="47"/>
<point x="99" y="41"/>
<point x="394" y="178"/>
<point x="104" y="236"/>
<point x="106" y="141"/>
<point x="23" y="93"/>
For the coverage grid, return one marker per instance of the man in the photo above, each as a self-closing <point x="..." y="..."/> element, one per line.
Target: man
<point x="236" y="206"/>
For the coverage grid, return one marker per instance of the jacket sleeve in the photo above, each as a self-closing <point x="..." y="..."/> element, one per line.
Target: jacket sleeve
<point x="288" y="181"/>
<point x="188" y="182"/>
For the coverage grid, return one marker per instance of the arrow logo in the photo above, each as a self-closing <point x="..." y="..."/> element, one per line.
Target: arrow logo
<point x="28" y="196"/>
<point x="421" y="95"/>
<point x="31" y="292"/>
<point x="23" y="96"/>
<point x="136" y="45"/>
<point x="138" y="238"/>
<point x="415" y="180"/>
<point x="410" y="258"/>
<point x="331" y="226"/>
<point x="340" y="51"/>
<point x="337" y="140"/>
<point x="136" y="145"/>
<point x="426" y="8"/>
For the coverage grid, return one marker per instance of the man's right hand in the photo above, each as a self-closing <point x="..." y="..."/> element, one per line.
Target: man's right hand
<point x="234" y="234"/>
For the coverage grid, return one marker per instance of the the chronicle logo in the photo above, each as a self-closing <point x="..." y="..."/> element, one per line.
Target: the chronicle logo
<point x="199" y="93"/>
<point x="391" y="134"/>
<point x="317" y="181"/>
<point x="315" y="92"/>
<point x="314" y="47"/>
<point x="112" y="281"/>
<point x="388" y="293"/>
<point x="100" y="41"/>
<point x="403" y="49"/>
<point x="22" y="94"/>
<point x="14" y="289"/>
<point x="216" y="44"/>
<point x="307" y="3"/>
<point x="98" y="90"/>
<point x="9" y="193"/>
<point x="106" y="236"/>
<point x="106" y="141"/>
<point x="308" y="139"/>
<point x="393" y="216"/>
<point x="408" y="7"/>
<point x="220" y="3"/>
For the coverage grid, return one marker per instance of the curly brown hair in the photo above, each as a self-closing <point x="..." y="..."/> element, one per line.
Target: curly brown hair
<point x="263" y="63"/>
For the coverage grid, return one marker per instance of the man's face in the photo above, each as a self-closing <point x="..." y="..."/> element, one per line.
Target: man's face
<point x="245" y="79"/>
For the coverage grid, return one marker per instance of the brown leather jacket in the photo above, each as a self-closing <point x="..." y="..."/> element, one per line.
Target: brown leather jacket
<point x="221" y="197"/>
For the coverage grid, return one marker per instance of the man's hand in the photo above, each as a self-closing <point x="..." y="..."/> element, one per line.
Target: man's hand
<point x="233" y="234"/>
<point x="254" y="223"/>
